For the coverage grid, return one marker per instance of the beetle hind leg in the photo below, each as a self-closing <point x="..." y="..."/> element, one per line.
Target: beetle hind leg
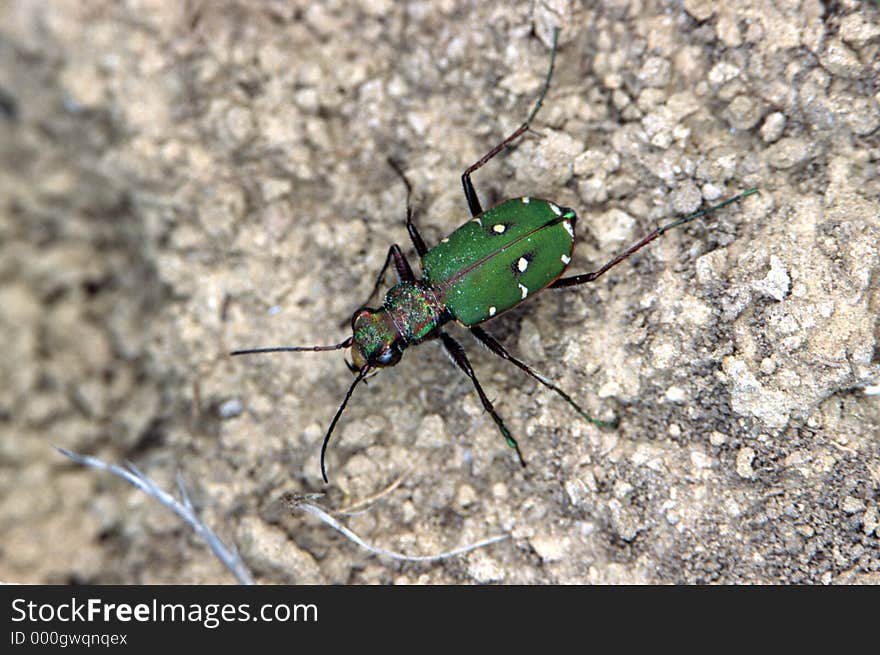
<point x="495" y="347"/>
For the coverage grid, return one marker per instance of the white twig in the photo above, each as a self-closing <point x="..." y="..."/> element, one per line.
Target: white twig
<point x="336" y="525"/>
<point x="183" y="508"/>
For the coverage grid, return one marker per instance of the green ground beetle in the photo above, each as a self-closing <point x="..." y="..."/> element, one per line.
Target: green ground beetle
<point x="492" y="263"/>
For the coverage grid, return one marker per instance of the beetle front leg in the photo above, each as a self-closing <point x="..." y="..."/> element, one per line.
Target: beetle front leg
<point x="414" y="236"/>
<point x="401" y="267"/>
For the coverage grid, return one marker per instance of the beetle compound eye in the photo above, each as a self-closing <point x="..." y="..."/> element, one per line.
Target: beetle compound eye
<point x="359" y="316"/>
<point x="389" y="357"/>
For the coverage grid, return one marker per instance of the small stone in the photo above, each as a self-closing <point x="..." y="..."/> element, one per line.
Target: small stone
<point x="686" y="198"/>
<point x="787" y="152"/>
<point x="271" y="552"/>
<point x="777" y="282"/>
<point x="624" y="521"/>
<point x="773" y="127"/>
<point x="711" y="191"/>
<point x="727" y="29"/>
<point x="851" y="505"/>
<point x="871" y="521"/>
<point x="768" y="366"/>
<point x="701" y="10"/>
<point x="676" y="394"/>
<point x="466" y="495"/>
<point x="484" y="569"/>
<point x="744" y="459"/>
<point x="230" y="408"/>
<point x="855" y="30"/>
<point x="717" y="438"/>
<point x="239" y="123"/>
<point x="805" y="530"/>
<point x="613" y="228"/>
<point x="622" y="489"/>
<point x="839" y="60"/>
<point x="723" y="72"/>
<point x="655" y="72"/>
<point x="592" y="162"/>
<point x="409" y="512"/>
<point x="578" y="491"/>
<point x="708" y="266"/>
<point x="549" y="548"/>
<point x="743" y="112"/>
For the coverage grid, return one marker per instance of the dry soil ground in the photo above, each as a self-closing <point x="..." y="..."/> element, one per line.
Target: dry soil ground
<point x="180" y="179"/>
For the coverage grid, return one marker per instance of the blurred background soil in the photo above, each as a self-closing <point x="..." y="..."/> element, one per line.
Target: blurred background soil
<point x="178" y="179"/>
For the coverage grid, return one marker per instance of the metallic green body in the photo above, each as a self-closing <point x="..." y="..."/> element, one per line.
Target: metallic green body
<point x="414" y="310"/>
<point x="498" y="259"/>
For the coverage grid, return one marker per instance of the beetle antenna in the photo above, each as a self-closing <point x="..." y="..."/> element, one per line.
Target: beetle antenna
<point x="548" y="78"/>
<point x="297" y="349"/>
<point x="688" y="219"/>
<point x="361" y="375"/>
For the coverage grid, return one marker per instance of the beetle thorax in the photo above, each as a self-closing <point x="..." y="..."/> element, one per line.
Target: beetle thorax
<point x="415" y="310"/>
<point x="410" y="314"/>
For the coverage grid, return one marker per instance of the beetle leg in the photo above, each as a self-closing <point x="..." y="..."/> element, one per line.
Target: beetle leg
<point x="492" y="344"/>
<point x="470" y="193"/>
<point x="583" y="278"/>
<point x="456" y="352"/>
<point x="414" y="236"/>
<point x="401" y="267"/>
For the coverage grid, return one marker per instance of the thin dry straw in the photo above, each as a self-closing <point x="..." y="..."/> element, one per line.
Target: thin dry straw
<point x="336" y="525"/>
<point x="183" y="508"/>
<point x="229" y="556"/>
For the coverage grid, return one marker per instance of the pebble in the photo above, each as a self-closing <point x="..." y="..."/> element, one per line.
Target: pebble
<point x="773" y="127"/>
<point x="777" y="281"/>
<point x="230" y="408"/>
<point x="839" y="60"/>
<point x="744" y="459"/>
<point x="851" y="505"/>
<point x="787" y="152"/>
<point x="743" y="112"/>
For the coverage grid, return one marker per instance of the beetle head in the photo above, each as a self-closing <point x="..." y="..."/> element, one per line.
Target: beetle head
<point x="376" y="341"/>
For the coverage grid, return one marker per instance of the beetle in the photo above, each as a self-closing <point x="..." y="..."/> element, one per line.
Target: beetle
<point x="496" y="260"/>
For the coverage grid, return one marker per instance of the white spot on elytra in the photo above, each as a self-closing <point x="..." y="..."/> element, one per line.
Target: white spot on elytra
<point x="525" y="291"/>
<point x="565" y="259"/>
<point x="492" y="311"/>
<point x="568" y="228"/>
<point x="555" y="209"/>
<point x="522" y="264"/>
<point x="499" y="228"/>
<point x="526" y="200"/>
